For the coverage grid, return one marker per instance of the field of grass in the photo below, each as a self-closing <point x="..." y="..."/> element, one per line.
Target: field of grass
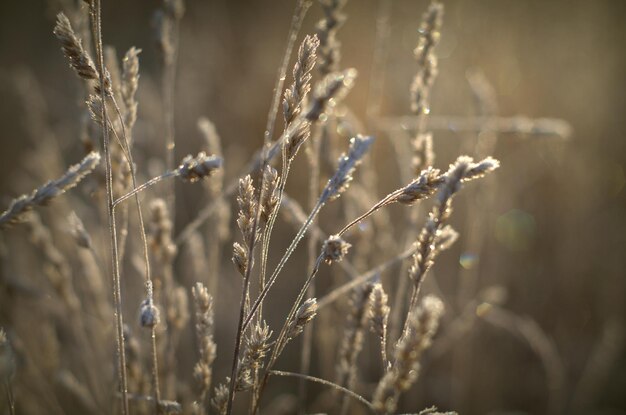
<point x="312" y="206"/>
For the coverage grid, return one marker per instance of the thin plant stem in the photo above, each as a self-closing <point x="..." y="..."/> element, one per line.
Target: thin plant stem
<point x="144" y="186"/>
<point x="516" y="124"/>
<point x="348" y="392"/>
<point x="292" y="247"/>
<point x="307" y="336"/>
<point x="301" y="8"/>
<point x="379" y="61"/>
<point x="117" y="294"/>
<point x="335" y="294"/>
<point x="281" y="340"/>
<point x="168" y="88"/>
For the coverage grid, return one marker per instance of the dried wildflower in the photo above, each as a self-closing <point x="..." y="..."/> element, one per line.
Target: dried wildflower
<point x="432" y="238"/>
<point x="379" y="311"/>
<point x="295" y="95"/>
<point x="202" y="371"/>
<point x="334" y="249"/>
<point x="94" y="105"/>
<point x="422" y="326"/>
<point x="243" y="381"/>
<point x="478" y="170"/>
<point x="269" y="200"/>
<point x="247" y="208"/>
<point x="305" y="313"/>
<point x="352" y="341"/>
<point x="72" y="47"/>
<point x="220" y="399"/>
<point x="257" y="345"/>
<point x="149" y="315"/>
<point x="295" y="135"/>
<point x="240" y="258"/>
<point x="46" y="193"/>
<point x="340" y="181"/>
<point x="130" y="84"/>
<point x="196" y="168"/>
<point x="424" y="186"/>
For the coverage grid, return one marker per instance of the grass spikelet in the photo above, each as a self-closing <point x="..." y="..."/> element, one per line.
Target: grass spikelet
<point x="334" y="249"/>
<point x="130" y="84"/>
<point x="73" y="49"/>
<point x="423" y="323"/>
<point x="378" y="317"/>
<point x="306" y="312"/>
<point x="295" y="95"/>
<point x="269" y="194"/>
<point x="340" y="181"/>
<point x="49" y="191"/>
<point x="247" y="209"/>
<point x="352" y="341"/>
<point x="203" y="370"/>
<point x="199" y="167"/>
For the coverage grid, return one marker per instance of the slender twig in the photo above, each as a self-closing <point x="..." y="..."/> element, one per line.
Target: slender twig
<point x="96" y="12"/>
<point x="144" y="186"/>
<point x="372" y="274"/>
<point x="301" y="9"/>
<point x="348" y="392"/>
<point x="517" y="124"/>
<point x="282" y="338"/>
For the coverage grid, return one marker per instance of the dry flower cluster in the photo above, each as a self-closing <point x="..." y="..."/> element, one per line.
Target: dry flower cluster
<point x="87" y="283"/>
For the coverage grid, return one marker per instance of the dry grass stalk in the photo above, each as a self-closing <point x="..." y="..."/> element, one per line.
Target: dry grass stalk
<point x="191" y="169"/>
<point x="295" y="95"/>
<point x="330" y="47"/>
<point x="464" y="169"/>
<point x="130" y="84"/>
<point x="220" y="399"/>
<point x="297" y="131"/>
<point x="325" y="96"/>
<point x="352" y="341"/>
<point x="73" y="49"/>
<point x="49" y="191"/>
<point x="96" y="27"/>
<point x="378" y="318"/>
<point x="423" y="155"/>
<point x="338" y="182"/>
<point x="203" y="371"/>
<point x="423" y="323"/>
<point x="303" y="316"/>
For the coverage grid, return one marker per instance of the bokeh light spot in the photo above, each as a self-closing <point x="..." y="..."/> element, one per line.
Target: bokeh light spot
<point x="468" y="260"/>
<point x="515" y="230"/>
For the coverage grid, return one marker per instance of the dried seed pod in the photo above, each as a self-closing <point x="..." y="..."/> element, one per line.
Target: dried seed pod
<point x="196" y="168"/>
<point x="305" y="313"/>
<point x="334" y="249"/>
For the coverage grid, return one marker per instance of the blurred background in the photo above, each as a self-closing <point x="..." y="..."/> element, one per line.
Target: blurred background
<point x="552" y="219"/>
